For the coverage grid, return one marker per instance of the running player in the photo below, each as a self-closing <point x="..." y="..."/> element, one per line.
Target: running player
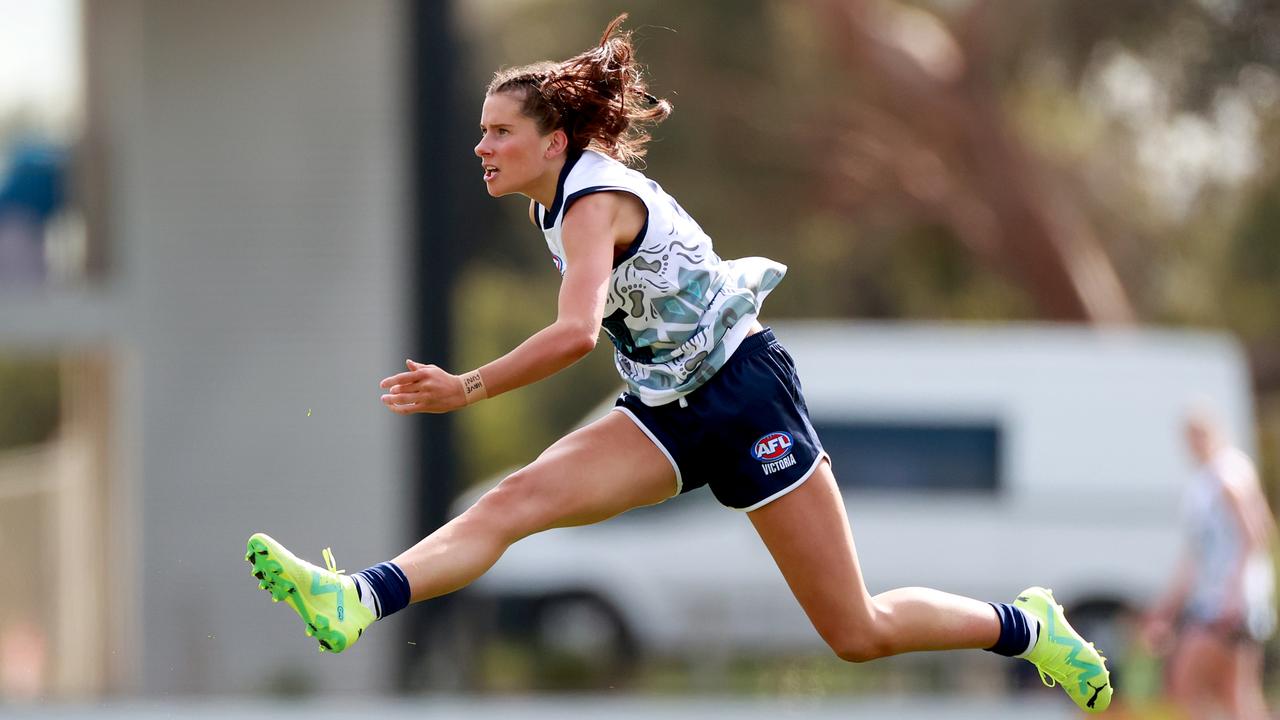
<point x="1223" y="594"/>
<point x="712" y="399"/>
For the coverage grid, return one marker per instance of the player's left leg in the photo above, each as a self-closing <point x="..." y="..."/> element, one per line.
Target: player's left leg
<point x="1196" y="661"/>
<point x="808" y="534"/>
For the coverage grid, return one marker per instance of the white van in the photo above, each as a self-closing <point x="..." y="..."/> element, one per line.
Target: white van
<point x="973" y="459"/>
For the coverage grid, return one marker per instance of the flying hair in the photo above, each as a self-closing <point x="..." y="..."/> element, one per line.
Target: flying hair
<point x="598" y="97"/>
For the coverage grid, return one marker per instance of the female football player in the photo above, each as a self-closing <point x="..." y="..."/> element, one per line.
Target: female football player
<point x="712" y="398"/>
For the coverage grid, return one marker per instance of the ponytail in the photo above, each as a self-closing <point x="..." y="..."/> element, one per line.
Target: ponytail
<point x="599" y="97"/>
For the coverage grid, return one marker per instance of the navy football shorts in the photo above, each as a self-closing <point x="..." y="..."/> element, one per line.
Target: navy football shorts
<point x="746" y="432"/>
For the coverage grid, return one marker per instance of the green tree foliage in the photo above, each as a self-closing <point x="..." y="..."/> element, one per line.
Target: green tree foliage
<point x="1156" y="118"/>
<point x="29" y="394"/>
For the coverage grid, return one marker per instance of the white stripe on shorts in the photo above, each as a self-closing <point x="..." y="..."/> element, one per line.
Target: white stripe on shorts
<point x="788" y="488"/>
<point x="645" y="430"/>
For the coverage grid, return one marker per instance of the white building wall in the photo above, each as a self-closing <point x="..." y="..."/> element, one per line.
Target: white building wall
<point x="256" y="209"/>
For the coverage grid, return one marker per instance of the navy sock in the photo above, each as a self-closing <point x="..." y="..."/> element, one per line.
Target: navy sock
<point x="1015" y="630"/>
<point x="389" y="585"/>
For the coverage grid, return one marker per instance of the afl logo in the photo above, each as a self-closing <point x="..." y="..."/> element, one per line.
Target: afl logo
<point x="771" y="447"/>
<point x="559" y="263"/>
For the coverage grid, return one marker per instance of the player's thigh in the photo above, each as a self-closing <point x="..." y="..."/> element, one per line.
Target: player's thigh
<point x="591" y="474"/>
<point x="1196" y="667"/>
<point x="807" y="533"/>
<point x="1241" y="671"/>
<point x="1218" y="662"/>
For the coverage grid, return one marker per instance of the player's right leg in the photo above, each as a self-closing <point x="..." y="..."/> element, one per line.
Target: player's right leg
<point x="592" y="474"/>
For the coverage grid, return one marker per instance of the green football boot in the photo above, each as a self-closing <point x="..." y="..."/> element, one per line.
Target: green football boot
<point x="325" y="598"/>
<point x="1062" y="656"/>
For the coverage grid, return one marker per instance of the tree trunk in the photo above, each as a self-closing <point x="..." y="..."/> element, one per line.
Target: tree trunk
<point x="956" y="156"/>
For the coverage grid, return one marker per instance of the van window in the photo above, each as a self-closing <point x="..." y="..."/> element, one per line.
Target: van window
<point x="912" y="456"/>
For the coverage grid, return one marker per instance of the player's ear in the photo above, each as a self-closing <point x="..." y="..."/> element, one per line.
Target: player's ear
<point x="559" y="143"/>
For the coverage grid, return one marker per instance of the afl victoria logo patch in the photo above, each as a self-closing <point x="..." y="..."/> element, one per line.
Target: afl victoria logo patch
<point x="772" y="447"/>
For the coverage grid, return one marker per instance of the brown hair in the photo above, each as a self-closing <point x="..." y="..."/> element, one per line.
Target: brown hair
<point x="599" y="97"/>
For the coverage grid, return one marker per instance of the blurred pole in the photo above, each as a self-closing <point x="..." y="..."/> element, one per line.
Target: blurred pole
<point x="434" y="266"/>
<point x="88" y="596"/>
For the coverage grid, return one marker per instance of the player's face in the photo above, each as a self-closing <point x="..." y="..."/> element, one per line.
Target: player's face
<point x="1200" y="440"/>
<point x="512" y="152"/>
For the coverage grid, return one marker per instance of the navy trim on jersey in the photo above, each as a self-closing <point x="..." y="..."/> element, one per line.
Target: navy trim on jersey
<point x="635" y="244"/>
<point x="549" y="217"/>
<point x="574" y="197"/>
<point x="634" y="247"/>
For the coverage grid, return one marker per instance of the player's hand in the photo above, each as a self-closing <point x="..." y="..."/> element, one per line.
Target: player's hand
<point x="423" y="389"/>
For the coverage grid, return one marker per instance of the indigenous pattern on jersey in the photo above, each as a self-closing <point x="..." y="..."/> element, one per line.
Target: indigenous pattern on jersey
<point x="676" y="312"/>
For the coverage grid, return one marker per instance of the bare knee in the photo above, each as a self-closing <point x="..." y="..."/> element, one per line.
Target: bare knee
<point x="860" y="650"/>
<point x="860" y="641"/>
<point x="513" y="507"/>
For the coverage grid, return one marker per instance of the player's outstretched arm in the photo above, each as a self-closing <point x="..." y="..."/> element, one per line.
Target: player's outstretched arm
<point x="589" y="232"/>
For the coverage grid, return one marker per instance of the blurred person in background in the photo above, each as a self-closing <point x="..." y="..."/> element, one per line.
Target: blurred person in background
<point x="712" y="399"/>
<point x="31" y="193"/>
<point x="1220" y="606"/>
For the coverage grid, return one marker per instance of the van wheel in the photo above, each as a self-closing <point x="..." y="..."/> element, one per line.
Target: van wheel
<point x="582" y="643"/>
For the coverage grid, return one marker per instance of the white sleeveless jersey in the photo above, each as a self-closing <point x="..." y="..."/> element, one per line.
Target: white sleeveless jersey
<point x="676" y="312"/>
<point x="1218" y="548"/>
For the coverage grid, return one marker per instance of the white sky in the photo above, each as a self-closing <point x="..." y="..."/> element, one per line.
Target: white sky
<point x="40" y="58"/>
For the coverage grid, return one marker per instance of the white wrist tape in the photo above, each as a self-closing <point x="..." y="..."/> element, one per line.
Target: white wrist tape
<point x="473" y="387"/>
